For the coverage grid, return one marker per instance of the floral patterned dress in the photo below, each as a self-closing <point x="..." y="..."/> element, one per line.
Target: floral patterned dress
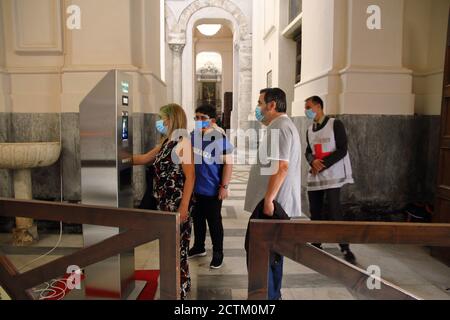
<point x="168" y="190"/>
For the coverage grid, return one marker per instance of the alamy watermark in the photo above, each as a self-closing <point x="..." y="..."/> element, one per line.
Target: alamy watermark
<point x="73" y="281"/>
<point x="58" y="288"/>
<point x="73" y="21"/>
<point x="374" y="280"/>
<point x="374" y="20"/>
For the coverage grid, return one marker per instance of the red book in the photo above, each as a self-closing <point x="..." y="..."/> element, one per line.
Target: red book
<point x="319" y="154"/>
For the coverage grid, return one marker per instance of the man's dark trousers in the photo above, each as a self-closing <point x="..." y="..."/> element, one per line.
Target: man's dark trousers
<point x="275" y="279"/>
<point x="331" y="212"/>
<point x="208" y="209"/>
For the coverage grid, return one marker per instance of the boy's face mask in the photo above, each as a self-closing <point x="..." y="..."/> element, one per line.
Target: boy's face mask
<point x="202" y="122"/>
<point x="200" y="125"/>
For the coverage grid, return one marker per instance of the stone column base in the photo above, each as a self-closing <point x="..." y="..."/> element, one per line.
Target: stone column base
<point x="25" y="236"/>
<point x="25" y="232"/>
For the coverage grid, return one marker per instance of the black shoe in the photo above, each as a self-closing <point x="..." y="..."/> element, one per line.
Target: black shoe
<point x="349" y="256"/>
<point x="317" y="245"/>
<point x="217" y="260"/>
<point x="195" y="252"/>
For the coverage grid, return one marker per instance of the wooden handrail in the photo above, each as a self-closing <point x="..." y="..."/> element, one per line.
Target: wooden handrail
<point x="291" y="238"/>
<point x="140" y="227"/>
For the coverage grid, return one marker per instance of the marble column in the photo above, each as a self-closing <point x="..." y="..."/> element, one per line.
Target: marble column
<point x="177" y="50"/>
<point x="245" y="113"/>
<point x="25" y="232"/>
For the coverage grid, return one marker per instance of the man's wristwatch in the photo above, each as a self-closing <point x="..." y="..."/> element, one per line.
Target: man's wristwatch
<point x="224" y="186"/>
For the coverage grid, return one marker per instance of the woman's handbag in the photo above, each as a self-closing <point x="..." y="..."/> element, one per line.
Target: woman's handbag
<point x="149" y="201"/>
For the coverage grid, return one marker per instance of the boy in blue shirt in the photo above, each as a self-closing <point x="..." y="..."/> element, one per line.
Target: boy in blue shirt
<point x="213" y="169"/>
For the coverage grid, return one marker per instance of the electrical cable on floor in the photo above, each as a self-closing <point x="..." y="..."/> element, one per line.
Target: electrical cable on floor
<point x="53" y="290"/>
<point x="48" y="253"/>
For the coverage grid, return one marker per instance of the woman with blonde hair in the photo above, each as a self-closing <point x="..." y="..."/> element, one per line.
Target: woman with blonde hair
<point x="174" y="178"/>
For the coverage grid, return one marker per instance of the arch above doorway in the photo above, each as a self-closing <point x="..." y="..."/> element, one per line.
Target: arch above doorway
<point x="179" y="40"/>
<point x="227" y="5"/>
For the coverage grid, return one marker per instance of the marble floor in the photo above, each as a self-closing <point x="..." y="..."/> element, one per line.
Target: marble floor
<point x="410" y="267"/>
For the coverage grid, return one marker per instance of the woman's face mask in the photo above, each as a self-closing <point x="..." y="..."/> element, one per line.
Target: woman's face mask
<point x="161" y="127"/>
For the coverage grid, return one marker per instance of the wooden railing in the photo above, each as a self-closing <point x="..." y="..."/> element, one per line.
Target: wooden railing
<point x="141" y="226"/>
<point x="291" y="238"/>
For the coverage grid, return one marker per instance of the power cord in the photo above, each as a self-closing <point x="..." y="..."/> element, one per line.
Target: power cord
<point x="55" y="292"/>
<point x="48" y="253"/>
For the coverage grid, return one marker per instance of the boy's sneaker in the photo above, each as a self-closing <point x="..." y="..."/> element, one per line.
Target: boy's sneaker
<point x="195" y="252"/>
<point x="217" y="260"/>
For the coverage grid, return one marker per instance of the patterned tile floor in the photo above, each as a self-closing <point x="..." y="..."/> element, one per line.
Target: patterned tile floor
<point x="407" y="266"/>
<point x="410" y="267"/>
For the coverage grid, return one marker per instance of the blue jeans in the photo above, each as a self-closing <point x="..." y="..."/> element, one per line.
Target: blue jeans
<point x="275" y="280"/>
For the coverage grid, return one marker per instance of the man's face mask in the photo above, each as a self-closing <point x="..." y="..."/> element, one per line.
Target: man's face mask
<point x="310" y="114"/>
<point x="258" y="114"/>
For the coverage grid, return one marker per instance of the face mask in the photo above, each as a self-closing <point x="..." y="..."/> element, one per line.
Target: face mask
<point x="258" y="114"/>
<point x="200" y="125"/>
<point x="161" y="127"/>
<point x="311" y="115"/>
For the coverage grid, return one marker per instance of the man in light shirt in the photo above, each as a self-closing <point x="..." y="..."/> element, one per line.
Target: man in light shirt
<point x="276" y="176"/>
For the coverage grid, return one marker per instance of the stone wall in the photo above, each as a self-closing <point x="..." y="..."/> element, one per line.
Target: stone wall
<point x="394" y="161"/>
<point x="70" y="156"/>
<point x="37" y="127"/>
<point x="5" y="175"/>
<point x="394" y="158"/>
<point x="64" y="177"/>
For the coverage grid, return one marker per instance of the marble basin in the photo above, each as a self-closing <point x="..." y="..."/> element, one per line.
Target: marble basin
<point x="28" y="155"/>
<point x="21" y="158"/>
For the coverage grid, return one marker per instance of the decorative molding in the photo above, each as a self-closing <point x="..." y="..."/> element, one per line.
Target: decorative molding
<point x="293" y="27"/>
<point x="428" y="73"/>
<point x="75" y="69"/>
<point x="353" y="70"/>
<point x="53" y="43"/>
<point x="375" y="70"/>
<point x="269" y="32"/>
<point x="106" y="68"/>
<point x="328" y="73"/>
<point x="33" y="70"/>
<point x="98" y="68"/>
<point x="177" y="47"/>
<point x="226" y="5"/>
<point x="209" y="72"/>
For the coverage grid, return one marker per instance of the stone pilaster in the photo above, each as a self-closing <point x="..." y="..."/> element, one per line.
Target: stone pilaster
<point x="177" y="49"/>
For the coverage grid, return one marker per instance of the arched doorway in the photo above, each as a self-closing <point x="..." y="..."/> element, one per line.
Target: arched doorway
<point x="209" y="80"/>
<point x="215" y="69"/>
<point x="180" y="37"/>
